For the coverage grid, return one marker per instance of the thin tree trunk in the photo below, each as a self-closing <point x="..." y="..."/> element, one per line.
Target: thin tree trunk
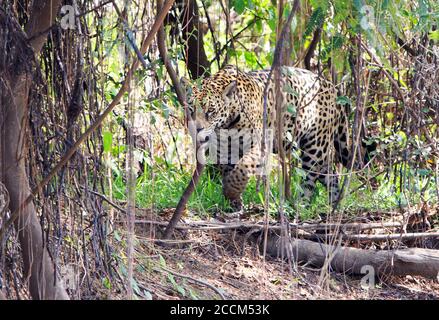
<point x="193" y="40"/>
<point x="38" y="266"/>
<point x="196" y="61"/>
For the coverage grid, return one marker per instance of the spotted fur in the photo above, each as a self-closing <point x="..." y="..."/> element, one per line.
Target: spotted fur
<point x="232" y="99"/>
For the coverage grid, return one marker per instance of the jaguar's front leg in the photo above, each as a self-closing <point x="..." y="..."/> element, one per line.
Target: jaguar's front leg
<point x="235" y="180"/>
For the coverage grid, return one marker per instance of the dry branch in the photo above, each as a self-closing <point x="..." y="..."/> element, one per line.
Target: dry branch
<point x="390" y="237"/>
<point x="312" y="47"/>
<point x="195" y="225"/>
<point x="199" y="281"/>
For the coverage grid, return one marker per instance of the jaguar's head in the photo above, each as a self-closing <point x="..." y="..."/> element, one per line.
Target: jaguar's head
<point x="211" y="103"/>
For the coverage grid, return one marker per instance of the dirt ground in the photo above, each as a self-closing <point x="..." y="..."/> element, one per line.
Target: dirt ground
<point x="212" y="265"/>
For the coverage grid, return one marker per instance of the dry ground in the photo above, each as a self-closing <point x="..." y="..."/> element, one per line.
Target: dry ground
<point x="212" y="265"/>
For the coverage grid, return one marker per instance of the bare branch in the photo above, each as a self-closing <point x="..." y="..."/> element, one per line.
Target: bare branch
<point x="43" y="14"/>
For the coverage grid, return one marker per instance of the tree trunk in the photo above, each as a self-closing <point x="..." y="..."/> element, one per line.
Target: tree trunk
<point x="38" y="266"/>
<point x="193" y="40"/>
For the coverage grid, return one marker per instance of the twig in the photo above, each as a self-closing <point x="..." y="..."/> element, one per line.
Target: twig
<point x="4" y="196"/>
<point x="160" y="241"/>
<point x="385" y="237"/>
<point x="312" y="47"/>
<point x="406" y="47"/>
<point x="386" y="73"/>
<point x="218" y="54"/>
<point x="106" y="200"/>
<point x="161" y="43"/>
<point x="129" y="35"/>
<point x="205" y="283"/>
<point x="277" y="60"/>
<point x="214" y="41"/>
<point x="392" y="236"/>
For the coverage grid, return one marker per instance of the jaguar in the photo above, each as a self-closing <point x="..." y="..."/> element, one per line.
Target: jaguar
<point x="302" y="105"/>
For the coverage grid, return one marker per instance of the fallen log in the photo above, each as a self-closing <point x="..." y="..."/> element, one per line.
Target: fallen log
<point x="400" y="262"/>
<point x="348" y="260"/>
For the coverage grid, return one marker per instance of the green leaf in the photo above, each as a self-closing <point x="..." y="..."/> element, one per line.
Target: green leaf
<point x="147" y="295"/>
<point x="107" y="138"/>
<point x="289" y="89"/>
<point x="401" y="136"/>
<point x="324" y="4"/>
<point x="135" y="286"/>
<point x="106" y="282"/>
<point x="181" y="291"/>
<point x="343" y="100"/>
<point x="153" y="120"/>
<point x="434" y="35"/>
<point x="251" y="59"/>
<point x="342" y="11"/>
<point x="424" y="172"/>
<point x="315" y="21"/>
<point x="300" y="172"/>
<point x="291" y="109"/>
<point x="390" y="115"/>
<point x="258" y="24"/>
<point x="162" y="261"/>
<point x="193" y="295"/>
<point x="336" y="42"/>
<point x="272" y="19"/>
<point x="239" y="5"/>
<point x="261" y="197"/>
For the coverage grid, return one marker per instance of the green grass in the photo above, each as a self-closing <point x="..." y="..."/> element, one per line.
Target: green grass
<point x="164" y="188"/>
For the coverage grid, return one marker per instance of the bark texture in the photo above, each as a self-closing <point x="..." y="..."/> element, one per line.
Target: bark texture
<point x="193" y="40"/>
<point x="16" y="81"/>
<point x="412" y="261"/>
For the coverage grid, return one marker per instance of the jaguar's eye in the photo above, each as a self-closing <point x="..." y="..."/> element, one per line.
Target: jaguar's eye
<point x="209" y="112"/>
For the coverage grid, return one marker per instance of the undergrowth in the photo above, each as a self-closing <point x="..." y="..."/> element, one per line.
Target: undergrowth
<point x="162" y="188"/>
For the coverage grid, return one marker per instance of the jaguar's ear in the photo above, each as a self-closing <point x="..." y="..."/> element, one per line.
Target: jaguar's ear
<point x="229" y="90"/>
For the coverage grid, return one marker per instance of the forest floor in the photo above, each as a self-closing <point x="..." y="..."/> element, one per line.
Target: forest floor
<point x="214" y="265"/>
